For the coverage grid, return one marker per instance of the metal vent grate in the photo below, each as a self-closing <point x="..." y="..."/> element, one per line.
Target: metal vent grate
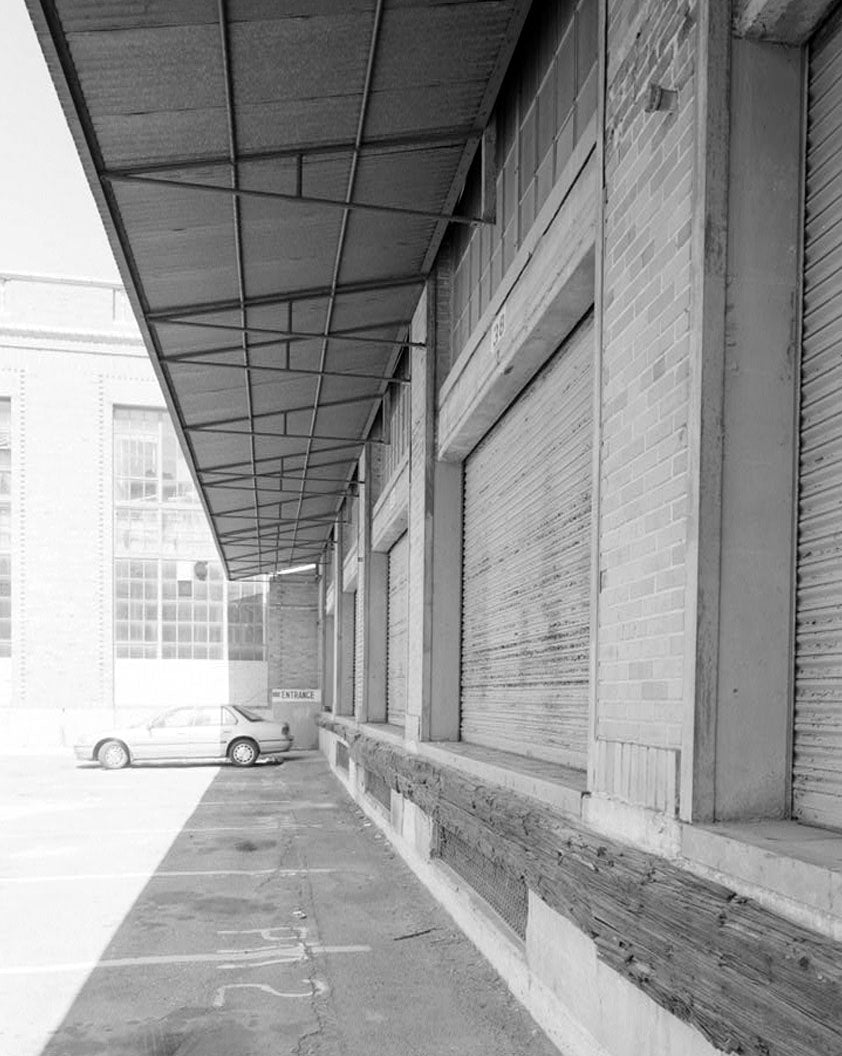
<point x="502" y="890"/>
<point x="378" y="788"/>
<point x="342" y="756"/>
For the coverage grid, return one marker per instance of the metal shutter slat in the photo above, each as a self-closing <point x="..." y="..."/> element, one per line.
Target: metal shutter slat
<point x="526" y="567"/>
<point x="817" y="756"/>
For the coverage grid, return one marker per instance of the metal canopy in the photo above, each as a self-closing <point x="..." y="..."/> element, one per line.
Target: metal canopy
<point x="276" y="177"/>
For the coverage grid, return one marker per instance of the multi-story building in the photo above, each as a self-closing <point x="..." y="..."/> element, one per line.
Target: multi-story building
<point x="112" y="597"/>
<point x="584" y="642"/>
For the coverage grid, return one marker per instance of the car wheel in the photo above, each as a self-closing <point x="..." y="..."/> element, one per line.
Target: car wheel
<point x="113" y="755"/>
<point x="243" y="753"/>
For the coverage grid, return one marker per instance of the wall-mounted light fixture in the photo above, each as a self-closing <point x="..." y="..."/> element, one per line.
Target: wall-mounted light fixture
<point x="660" y="99"/>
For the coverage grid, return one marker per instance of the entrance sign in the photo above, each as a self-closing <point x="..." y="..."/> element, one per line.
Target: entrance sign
<point x="311" y="696"/>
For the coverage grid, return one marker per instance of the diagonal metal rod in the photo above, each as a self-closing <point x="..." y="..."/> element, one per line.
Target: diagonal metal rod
<point x="282" y="412"/>
<point x="273" y="567"/>
<point x="187" y="360"/>
<point x="291" y="336"/>
<point x="243" y="478"/>
<point x="298" y="199"/>
<point x="251" y="518"/>
<point x="276" y="527"/>
<point x="319" y="465"/>
<point x="308" y="523"/>
<point x="246" y="478"/>
<point x="224" y="467"/>
<point x="446" y="137"/>
<point x="347" y="440"/>
<point x="280" y="342"/>
<point x="270" y="300"/>
<point x="267" y="544"/>
<point x="307" y="544"/>
<point x="294" y="337"/>
<point x="279" y="501"/>
<point x="246" y="513"/>
<point x="286" y="561"/>
<point x="265" y="489"/>
<point x="282" y="527"/>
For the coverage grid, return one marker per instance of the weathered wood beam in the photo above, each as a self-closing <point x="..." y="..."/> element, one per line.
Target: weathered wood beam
<point x="750" y="981"/>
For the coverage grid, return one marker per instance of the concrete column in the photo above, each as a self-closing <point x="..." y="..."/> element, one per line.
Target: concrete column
<point x="343" y="629"/>
<point x="435" y="549"/>
<point x="759" y="415"/>
<point x="372" y="587"/>
<point x="325" y="641"/>
<point x="327" y="667"/>
<point x="345" y="657"/>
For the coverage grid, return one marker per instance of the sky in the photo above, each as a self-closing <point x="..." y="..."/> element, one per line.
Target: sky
<point x="49" y="224"/>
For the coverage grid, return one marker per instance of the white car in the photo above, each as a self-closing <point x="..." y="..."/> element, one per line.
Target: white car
<point x="227" y="731"/>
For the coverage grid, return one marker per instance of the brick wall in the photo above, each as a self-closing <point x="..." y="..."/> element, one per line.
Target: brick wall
<point x="66" y="348"/>
<point x="645" y="379"/>
<point x="292" y="634"/>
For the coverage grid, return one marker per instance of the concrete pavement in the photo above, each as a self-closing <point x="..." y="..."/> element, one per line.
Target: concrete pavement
<point x="208" y="911"/>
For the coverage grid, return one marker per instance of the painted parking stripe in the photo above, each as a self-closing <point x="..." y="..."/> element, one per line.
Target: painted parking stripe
<point x="269" y="825"/>
<point x="162" y="875"/>
<point x="283" y="952"/>
<point x="283" y="804"/>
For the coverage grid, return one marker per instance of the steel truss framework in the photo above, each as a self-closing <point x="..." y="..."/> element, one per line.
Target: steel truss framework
<point x="352" y="328"/>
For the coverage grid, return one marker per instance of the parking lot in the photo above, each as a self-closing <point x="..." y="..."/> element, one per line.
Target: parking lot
<point x="177" y="910"/>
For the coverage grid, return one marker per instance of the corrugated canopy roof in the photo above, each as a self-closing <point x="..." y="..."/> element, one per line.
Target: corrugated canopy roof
<point x="274" y="176"/>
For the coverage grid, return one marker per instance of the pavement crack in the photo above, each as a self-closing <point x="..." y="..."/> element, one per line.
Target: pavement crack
<point x="414" y="934"/>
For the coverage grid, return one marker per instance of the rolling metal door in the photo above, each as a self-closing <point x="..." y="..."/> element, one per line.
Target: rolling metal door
<point x="527" y="567"/>
<point x="396" y="643"/>
<point x="817" y="742"/>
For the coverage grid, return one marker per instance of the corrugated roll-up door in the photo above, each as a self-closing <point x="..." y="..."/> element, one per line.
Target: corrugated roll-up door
<point x="817" y="760"/>
<point x="396" y="642"/>
<point x="527" y="567"/>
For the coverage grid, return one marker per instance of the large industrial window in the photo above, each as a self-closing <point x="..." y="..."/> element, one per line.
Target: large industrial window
<point x="191" y="610"/>
<point x="5" y="528"/>
<point x="246" y="620"/>
<point x="544" y="107"/>
<point x="169" y="591"/>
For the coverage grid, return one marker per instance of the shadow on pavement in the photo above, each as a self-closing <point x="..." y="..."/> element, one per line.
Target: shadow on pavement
<point x="184" y="974"/>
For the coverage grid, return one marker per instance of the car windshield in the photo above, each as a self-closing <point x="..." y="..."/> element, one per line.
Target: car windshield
<point x="248" y="714"/>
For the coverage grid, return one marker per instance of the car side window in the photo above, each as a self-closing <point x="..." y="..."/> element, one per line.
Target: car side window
<point x="206" y="717"/>
<point x="228" y="717"/>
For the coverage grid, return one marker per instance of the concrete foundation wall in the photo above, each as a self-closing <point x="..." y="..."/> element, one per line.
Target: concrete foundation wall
<point x="585" y="1008"/>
